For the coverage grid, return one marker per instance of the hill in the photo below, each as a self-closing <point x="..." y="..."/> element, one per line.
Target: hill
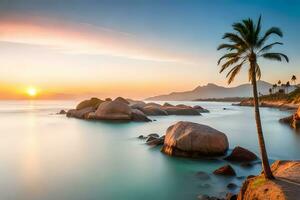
<point x="211" y="90"/>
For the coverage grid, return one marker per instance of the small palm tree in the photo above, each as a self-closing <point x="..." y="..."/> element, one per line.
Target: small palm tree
<point x="287" y="85"/>
<point x="275" y="87"/>
<point x="270" y="90"/>
<point x="293" y="79"/>
<point x="246" y="45"/>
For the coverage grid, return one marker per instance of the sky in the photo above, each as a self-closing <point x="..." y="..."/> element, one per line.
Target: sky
<point x="69" y="49"/>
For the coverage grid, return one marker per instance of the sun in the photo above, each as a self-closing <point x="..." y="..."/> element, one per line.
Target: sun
<point x="31" y="91"/>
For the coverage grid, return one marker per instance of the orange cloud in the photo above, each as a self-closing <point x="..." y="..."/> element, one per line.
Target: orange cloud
<point x="84" y="38"/>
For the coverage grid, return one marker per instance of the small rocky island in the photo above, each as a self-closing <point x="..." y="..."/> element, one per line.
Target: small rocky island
<point x="128" y="110"/>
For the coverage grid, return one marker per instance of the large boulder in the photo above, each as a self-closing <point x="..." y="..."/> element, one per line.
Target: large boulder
<point x="93" y="102"/>
<point x="138" y="115"/>
<point x="113" y="110"/>
<point x="240" y="154"/>
<point x="193" y="140"/>
<point x="81" y="114"/>
<point x="175" y="110"/>
<point x="121" y="99"/>
<point x="153" y="110"/>
<point x="226" y="170"/>
<point x="286" y="186"/>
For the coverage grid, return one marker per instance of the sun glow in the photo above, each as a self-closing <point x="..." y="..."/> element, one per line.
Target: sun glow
<point x="31" y="91"/>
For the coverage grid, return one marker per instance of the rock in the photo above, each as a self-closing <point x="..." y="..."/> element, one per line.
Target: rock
<point x="150" y="138"/>
<point x="201" y="109"/>
<point x="167" y="104"/>
<point x="153" y="110"/>
<point x="121" y="99"/>
<point x="142" y="137"/>
<point x="81" y="114"/>
<point x="139" y="106"/>
<point x="293" y="120"/>
<point x="206" y="197"/>
<point x="153" y="135"/>
<point x="113" y="110"/>
<point x="155" y="141"/>
<point x="202" y="175"/>
<point x="93" y="102"/>
<point x="153" y="104"/>
<point x="193" y="140"/>
<point x="138" y="115"/>
<point x="247" y="164"/>
<point x="62" y="112"/>
<point x="232" y="186"/>
<point x="230" y="196"/>
<point x="286" y="186"/>
<point x="108" y="99"/>
<point x="240" y="154"/>
<point x="174" y="110"/>
<point x="226" y="170"/>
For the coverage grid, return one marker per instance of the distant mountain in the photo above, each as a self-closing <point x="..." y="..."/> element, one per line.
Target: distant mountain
<point x="214" y="91"/>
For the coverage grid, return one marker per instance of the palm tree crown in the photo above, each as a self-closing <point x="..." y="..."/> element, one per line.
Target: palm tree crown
<point x="247" y="44"/>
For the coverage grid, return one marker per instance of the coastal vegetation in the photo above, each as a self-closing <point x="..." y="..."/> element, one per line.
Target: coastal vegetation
<point x="246" y="45"/>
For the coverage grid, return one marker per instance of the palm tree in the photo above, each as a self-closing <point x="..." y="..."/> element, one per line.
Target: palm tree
<point x="287" y="85"/>
<point x="293" y="79"/>
<point x="275" y="87"/>
<point x="245" y="46"/>
<point x="270" y="90"/>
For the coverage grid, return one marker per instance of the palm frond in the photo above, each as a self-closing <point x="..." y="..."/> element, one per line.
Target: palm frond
<point x="227" y="56"/>
<point x="233" y="72"/>
<point x="271" y="31"/>
<point x="229" y="63"/>
<point x="275" y="56"/>
<point x="232" y="37"/>
<point x="228" y="47"/>
<point x="268" y="47"/>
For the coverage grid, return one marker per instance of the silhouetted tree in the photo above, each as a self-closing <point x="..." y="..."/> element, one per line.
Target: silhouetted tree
<point x="287" y="85"/>
<point x="293" y="79"/>
<point x="246" y="45"/>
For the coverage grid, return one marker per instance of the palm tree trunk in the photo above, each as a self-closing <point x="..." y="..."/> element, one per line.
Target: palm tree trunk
<point x="265" y="162"/>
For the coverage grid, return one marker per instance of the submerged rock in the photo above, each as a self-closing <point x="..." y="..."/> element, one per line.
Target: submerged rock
<point x="232" y="186"/>
<point x="240" y="154"/>
<point x="174" y="110"/>
<point x="226" y="170"/>
<point x="192" y="140"/>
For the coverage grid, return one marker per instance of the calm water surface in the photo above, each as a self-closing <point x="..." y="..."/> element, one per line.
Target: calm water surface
<point x="44" y="156"/>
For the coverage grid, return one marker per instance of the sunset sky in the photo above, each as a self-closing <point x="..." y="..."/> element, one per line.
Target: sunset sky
<point x="137" y="48"/>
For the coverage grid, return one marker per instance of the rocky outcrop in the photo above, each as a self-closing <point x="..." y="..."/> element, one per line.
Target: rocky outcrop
<point x="62" y="112"/>
<point x="139" y="116"/>
<point x="286" y="186"/>
<point x="81" y="114"/>
<point x="240" y="154"/>
<point x="293" y="120"/>
<point x="121" y="99"/>
<point x="200" y="109"/>
<point x="153" y="110"/>
<point x="226" y="170"/>
<point x="193" y="140"/>
<point x="93" y="102"/>
<point x="113" y="110"/>
<point x="175" y="110"/>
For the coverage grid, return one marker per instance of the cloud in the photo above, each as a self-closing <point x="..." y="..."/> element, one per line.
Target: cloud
<point x="84" y="38"/>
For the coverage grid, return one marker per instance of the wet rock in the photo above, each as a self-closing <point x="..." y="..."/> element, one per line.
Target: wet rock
<point x="113" y="110"/>
<point x="202" y="175"/>
<point x="206" y="197"/>
<point x="139" y="116"/>
<point x="240" y="154"/>
<point x="150" y="138"/>
<point x="155" y="141"/>
<point x="153" y="110"/>
<point x="226" y="170"/>
<point x="142" y="137"/>
<point x="206" y="140"/>
<point x="81" y="114"/>
<point x="232" y="186"/>
<point x="93" y="102"/>
<point x="153" y="135"/>
<point x="231" y="196"/>
<point x="62" y="112"/>
<point x="200" y="109"/>
<point x="247" y="165"/>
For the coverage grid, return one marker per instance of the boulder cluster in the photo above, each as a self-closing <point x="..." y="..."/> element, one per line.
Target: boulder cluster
<point x="129" y="110"/>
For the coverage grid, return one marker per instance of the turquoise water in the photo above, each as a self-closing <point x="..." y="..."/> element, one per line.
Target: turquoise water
<point x="50" y="157"/>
